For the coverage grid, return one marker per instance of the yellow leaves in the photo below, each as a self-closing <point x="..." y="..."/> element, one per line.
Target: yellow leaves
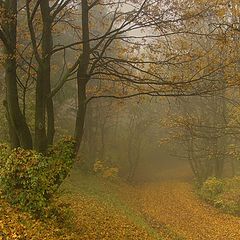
<point x="15" y="224"/>
<point x="221" y="12"/>
<point x="177" y="210"/>
<point x="98" y="166"/>
<point x="98" y="220"/>
<point x="110" y="172"/>
<point x="105" y="171"/>
<point x="103" y="210"/>
<point x="6" y="17"/>
<point x="233" y="151"/>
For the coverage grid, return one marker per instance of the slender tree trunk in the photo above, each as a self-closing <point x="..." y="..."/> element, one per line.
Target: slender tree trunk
<point x="40" y="118"/>
<point x="51" y="121"/>
<point x="103" y="132"/>
<point x="130" y="154"/>
<point x="92" y="127"/>
<point x="82" y="77"/>
<point x="81" y="113"/>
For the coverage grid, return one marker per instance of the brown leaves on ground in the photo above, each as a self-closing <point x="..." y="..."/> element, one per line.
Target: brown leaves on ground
<point x="15" y="224"/>
<point x="171" y="207"/>
<point x="174" y="205"/>
<point x="96" y="220"/>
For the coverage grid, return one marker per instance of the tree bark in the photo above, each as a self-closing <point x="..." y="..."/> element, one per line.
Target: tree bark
<point x="51" y="120"/>
<point x="81" y="113"/>
<point x="14" y="140"/>
<point x="40" y="118"/>
<point x="17" y="123"/>
<point x="82" y="77"/>
<point x="44" y="103"/>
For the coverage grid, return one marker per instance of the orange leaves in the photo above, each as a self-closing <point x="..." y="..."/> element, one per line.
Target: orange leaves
<point x="221" y="12"/>
<point x="98" y="220"/>
<point x="103" y="210"/>
<point x="105" y="171"/>
<point x="21" y="226"/>
<point x="178" y="211"/>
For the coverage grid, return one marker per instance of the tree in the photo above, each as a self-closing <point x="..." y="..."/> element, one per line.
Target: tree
<point x="18" y="129"/>
<point x="140" y="50"/>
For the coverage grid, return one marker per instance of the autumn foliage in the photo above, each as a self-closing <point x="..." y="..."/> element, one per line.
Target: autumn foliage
<point x="29" y="179"/>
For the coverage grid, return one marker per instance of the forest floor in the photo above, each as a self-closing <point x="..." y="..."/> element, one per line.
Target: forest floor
<point x="174" y="208"/>
<point x="165" y="208"/>
<point x="105" y="209"/>
<point x="177" y="212"/>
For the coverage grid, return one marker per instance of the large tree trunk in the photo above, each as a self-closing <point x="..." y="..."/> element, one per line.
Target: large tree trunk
<point x="13" y="137"/>
<point x="44" y="107"/>
<point x="44" y="103"/>
<point x="19" y="130"/>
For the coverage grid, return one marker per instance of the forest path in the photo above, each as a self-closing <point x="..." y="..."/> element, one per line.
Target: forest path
<point x="174" y="208"/>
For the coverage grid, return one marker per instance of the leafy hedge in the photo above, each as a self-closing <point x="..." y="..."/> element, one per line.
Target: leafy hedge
<point x="222" y="193"/>
<point x="29" y="179"/>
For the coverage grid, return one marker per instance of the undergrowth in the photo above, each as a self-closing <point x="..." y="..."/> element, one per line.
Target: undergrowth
<point x="222" y="193"/>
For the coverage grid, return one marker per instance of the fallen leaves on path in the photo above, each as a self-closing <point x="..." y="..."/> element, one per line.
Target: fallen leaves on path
<point x="174" y="205"/>
<point x="96" y="220"/>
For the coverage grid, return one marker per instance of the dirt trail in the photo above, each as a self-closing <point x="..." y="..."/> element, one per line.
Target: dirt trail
<point x="174" y="208"/>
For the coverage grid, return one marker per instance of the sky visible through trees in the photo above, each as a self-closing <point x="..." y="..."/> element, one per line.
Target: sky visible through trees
<point x="119" y="101"/>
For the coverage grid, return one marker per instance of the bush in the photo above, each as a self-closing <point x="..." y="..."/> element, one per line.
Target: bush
<point x="223" y="193"/>
<point x="105" y="171"/>
<point x="229" y="201"/>
<point x="24" y="179"/>
<point x="4" y="153"/>
<point x="211" y="188"/>
<point x="62" y="156"/>
<point x="30" y="179"/>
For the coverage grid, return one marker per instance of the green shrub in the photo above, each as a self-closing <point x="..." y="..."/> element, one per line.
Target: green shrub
<point x="24" y="180"/>
<point x="105" y="171"/>
<point x="62" y="158"/>
<point x="4" y="153"/>
<point x="229" y="202"/>
<point x="232" y="183"/>
<point x="30" y="179"/>
<point x="211" y="188"/>
<point x="230" y="198"/>
<point x="223" y="193"/>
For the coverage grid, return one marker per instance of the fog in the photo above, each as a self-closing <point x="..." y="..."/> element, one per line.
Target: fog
<point x="119" y="119"/>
